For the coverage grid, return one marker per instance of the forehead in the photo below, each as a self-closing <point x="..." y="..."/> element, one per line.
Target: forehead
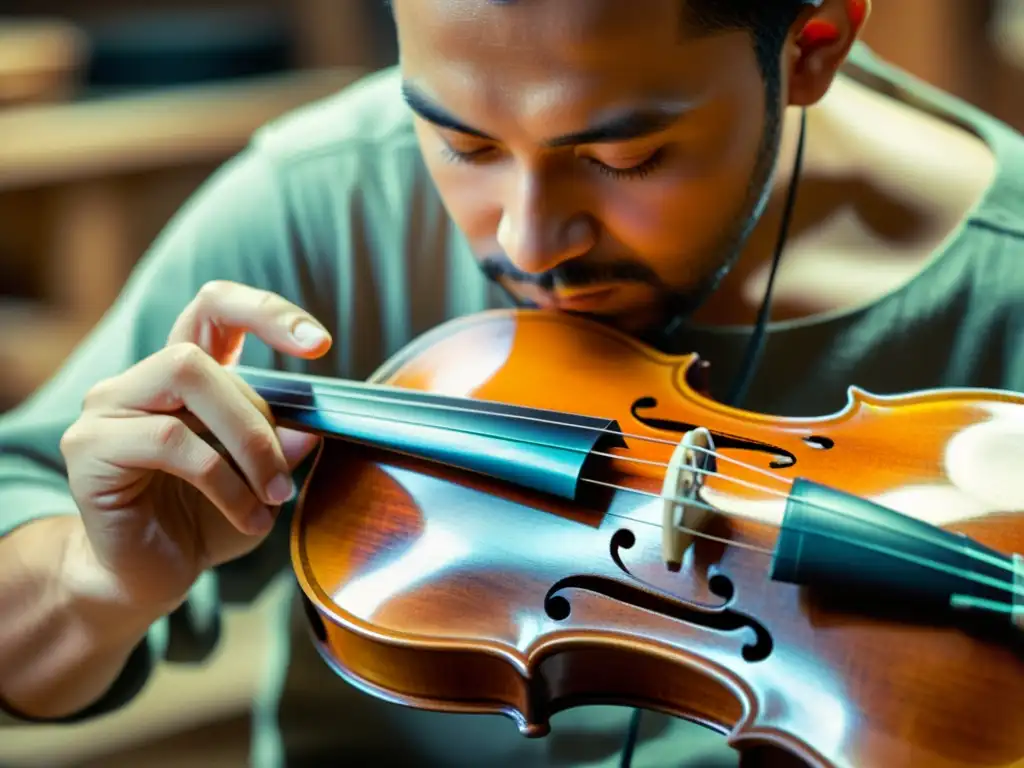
<point x="585" y="25"/>
<point x="574" y="50"/>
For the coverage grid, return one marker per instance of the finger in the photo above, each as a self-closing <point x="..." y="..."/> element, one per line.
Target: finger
<point x="185" y="377"/>
<point x="260" y="404"/>
<point x="165" y="443"/>
<point x="223" y="312"/>
<point x="251" y="395"/>
<point x="296" y="445"/>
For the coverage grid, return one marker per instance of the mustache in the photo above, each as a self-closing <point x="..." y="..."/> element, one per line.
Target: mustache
<point x="676" y="306"/>
<point x="572" y="274"/>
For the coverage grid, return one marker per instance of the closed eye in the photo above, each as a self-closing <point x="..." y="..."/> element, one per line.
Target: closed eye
<point x="638" y="171"/>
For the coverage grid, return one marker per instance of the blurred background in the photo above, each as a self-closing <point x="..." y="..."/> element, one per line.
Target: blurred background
<point x="112" y="112"/>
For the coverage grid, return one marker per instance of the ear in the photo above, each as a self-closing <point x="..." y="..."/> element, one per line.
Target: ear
<point x="818" y="45"/>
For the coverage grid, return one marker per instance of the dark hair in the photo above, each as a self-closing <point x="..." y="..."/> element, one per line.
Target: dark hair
<point x="768" y="21"/>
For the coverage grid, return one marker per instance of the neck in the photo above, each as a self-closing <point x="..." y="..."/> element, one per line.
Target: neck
<point x="859" y="209"/>
<point x="739" y="297"/>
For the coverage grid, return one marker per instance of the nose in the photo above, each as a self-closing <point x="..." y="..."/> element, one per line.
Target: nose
<point x="541" y="226"/>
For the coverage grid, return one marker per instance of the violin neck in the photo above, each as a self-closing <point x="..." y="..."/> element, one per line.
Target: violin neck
<point x="277" y="386"/>
<point x="542" y="450"/>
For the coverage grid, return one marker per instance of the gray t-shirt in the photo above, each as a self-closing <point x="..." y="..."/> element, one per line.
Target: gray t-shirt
<point x="332" y="207"/>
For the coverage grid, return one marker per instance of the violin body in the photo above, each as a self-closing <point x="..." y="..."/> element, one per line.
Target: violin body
<point x="446" y="589"/>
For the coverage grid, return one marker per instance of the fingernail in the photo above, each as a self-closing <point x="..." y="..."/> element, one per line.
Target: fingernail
<point x="308" y="335"/>
<point x="281" y="489"/>
<point x="261" y="522"/>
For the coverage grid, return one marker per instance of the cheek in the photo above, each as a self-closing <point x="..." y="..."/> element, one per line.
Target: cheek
<point x="690" y="204"/>
<point x="469" y="193"/>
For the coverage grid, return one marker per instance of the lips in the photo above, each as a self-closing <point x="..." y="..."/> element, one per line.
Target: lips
<point x="590" y="300"/>
<point x="605" y="299"/>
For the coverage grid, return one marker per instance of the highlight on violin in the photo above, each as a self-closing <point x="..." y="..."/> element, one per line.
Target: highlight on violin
<point x="602" y="384"/>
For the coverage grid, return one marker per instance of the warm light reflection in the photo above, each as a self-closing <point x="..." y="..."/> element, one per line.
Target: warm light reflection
<point x="983" y="469"/>
<point x="470" y="525"/>
<point x="434" y="551"/>
<point x="473" y="371"/>
<point x="811" y="698"/>
<point x="981" y="462"/>
<point x="530" y="628"/>
<point x="768" y="510"/>
<point x="934" y="504"/>
<point x="985" y="461"/>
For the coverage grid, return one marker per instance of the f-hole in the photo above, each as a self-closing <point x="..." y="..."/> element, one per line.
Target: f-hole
<point x="630" y="590"/>
<point x="781" y="457"/>
<point x="819" y="442"/>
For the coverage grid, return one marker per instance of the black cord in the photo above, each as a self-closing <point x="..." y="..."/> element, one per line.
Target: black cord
<point x="631" y="736"/>
<point x="756" y="345"/>
<point x="750" y="362"/>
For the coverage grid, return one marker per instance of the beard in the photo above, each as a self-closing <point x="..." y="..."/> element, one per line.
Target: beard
<point x="675" y="306"/>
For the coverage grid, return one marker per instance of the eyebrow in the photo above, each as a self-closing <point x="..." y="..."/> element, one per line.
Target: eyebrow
<point x="628" y="125"/>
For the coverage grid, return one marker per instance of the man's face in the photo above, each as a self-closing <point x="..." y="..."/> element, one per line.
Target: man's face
<point x="596" y="157"/>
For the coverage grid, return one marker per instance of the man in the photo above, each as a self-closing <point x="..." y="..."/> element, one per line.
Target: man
<point x="629" y="161"/>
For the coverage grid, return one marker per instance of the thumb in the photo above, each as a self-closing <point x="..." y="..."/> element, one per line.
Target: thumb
<point x="296" y="445"/>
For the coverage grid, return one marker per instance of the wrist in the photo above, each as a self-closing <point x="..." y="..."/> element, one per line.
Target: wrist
<point x="65" y="630"/>
<point x="102" y="609"/>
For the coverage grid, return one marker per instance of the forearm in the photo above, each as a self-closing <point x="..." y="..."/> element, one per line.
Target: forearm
<point x="64" y="636"/>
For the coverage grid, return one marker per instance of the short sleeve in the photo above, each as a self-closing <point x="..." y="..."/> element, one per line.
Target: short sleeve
<point x="235" y="227"/>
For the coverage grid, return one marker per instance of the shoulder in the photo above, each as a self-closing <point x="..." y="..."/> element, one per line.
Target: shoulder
<point x="348" y="169"/>
<point x="994" y="230"/>
<point x="301" y="170"/>
<point x="366" y="121"/>
<point x="1002" y="208"/>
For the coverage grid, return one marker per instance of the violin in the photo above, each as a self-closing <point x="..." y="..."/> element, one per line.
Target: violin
<point x="527" y="511"/>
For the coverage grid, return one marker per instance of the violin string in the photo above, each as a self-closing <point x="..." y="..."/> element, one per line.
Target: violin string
<point x="1008" y="587"/>
<point x="981" y="556"/>
<point x="603" y="454"/>
<point x="685" y="529"/>
<point x="360" y="395"/>
<point x="357" y="394"/>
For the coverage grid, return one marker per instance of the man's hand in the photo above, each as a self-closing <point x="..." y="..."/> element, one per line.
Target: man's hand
<point x="160" y="503"/>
